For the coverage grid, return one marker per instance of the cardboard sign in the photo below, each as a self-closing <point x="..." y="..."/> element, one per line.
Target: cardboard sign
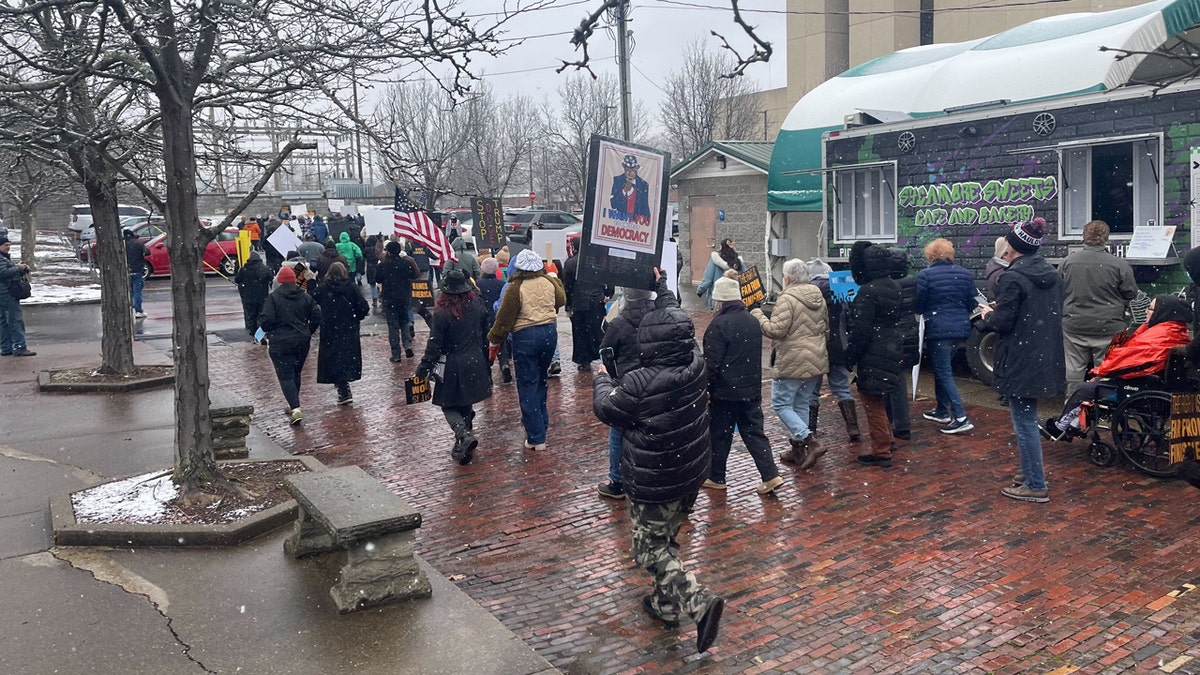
<point x="335" y="205"/>
<point x="1185" y="427"/>
<point x="421" y="293"/>
<point x="842" y="286"/>
<point x="489" y="222"/>
<point x="752" y="289"/>
<point x="417" y="390"/>
<point x="550" y="244"/>
<point x="670" y="265"/>
<point x="284" y="240"/>
<point x="379" y="222"/>
<point x="625" y="213"/>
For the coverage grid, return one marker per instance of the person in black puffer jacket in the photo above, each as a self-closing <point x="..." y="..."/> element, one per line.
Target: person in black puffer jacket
<point x="621" y="338"/>
<point x="289" y="317"/>
<point x="662" y="409"/>
<point x="899" y="415"/>
<point x="733" y="356"/>
<point x="254" y="284"/>
<point x="876" y="342"/>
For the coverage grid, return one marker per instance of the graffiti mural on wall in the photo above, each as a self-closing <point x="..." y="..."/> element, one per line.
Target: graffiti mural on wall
<point x="974" y="203"/>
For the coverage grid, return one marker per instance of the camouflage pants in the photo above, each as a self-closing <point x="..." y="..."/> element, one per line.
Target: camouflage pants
<point x="677" y="594"/>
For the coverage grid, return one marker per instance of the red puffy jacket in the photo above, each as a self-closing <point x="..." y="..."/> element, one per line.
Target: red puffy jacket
<point x="1145" y="353"/>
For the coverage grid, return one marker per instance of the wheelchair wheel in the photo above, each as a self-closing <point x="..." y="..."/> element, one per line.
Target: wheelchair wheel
<point x="1102" y="454"/>
<point x="1141" y="430"/>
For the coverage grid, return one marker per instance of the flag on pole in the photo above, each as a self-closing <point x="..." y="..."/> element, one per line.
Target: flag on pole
<point x="413" y="223"/>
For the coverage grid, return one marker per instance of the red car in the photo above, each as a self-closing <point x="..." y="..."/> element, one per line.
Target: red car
<point x="219" y="256"/>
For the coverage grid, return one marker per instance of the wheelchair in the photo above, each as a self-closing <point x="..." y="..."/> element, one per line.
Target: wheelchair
<point x="1136" y="413"/>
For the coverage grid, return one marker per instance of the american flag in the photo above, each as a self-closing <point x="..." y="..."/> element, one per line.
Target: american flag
<point x="413" y="223"/>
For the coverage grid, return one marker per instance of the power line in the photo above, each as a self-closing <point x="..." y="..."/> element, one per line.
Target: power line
<point x="683" y="4"/>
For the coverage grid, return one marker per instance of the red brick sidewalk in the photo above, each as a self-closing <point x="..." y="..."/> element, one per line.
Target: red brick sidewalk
<point x="920" y="568"/>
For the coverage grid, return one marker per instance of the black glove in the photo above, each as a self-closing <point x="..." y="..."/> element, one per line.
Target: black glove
<point x="423" y="370"/>
<point x="756" y="305"/>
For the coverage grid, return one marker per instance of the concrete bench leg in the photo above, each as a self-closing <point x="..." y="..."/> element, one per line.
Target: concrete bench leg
<point x="378" y="572"/>
<point x="308" y="538"/>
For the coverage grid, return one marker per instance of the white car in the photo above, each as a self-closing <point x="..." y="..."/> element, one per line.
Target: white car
<point x="81" y="215"/>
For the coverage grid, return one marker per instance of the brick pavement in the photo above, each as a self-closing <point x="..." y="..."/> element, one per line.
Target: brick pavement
<point x="921" y="568"/>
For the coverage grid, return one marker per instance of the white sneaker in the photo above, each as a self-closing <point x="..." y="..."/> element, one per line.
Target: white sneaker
<point x="139" y="315"/>
<point x="958" y="426"/>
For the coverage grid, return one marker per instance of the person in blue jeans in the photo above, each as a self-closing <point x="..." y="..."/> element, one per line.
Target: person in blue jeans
<point x="528" y="312"/>
<point x="1027" y="319"/>
<point x="946" y="297"/>
<point x="135" y="255"/>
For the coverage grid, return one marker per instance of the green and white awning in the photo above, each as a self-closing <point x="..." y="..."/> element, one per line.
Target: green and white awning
<point x="1049" y="58"/>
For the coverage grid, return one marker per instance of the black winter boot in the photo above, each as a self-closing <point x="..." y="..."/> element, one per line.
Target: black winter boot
<point x="464" y="444"/>
<point x="850" y="416"/>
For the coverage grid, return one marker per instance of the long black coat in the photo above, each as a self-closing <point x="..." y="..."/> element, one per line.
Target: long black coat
<point x="663" y="411"/>
<point x="463" y="341"/>
<point x="253" y="281"/>
<point x="733" y="354"/>
<point x="876" y="338"/>
<point x="1028" y="323"/>
<point x="908" y="301"/>
<point x="339" y="358"/>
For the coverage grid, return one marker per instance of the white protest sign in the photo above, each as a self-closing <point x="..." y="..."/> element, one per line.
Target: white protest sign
<point x="335" y="205"/>
<point x="349" y="209"/>
<point x="284" y="240"/>
<point x="1150" y="241"/>
<point x="299" y="210"/>
<point x="556" y="239"/>
<point x="669" y="264"/>
<point x="378" y="222"/>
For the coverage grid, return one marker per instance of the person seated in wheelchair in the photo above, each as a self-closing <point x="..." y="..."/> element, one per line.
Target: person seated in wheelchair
<point x="1133" y="354"/>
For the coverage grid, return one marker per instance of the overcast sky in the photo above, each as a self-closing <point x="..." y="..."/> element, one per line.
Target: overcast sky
<point x="661" y="29"/>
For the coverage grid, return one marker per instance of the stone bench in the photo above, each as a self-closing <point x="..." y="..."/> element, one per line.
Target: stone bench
<point x="230" y="424"/>
<point x="346" y="509"/>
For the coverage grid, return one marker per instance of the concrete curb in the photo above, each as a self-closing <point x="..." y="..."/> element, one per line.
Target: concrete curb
<point x="67" y="532"/>
<point x="44" y="384"/>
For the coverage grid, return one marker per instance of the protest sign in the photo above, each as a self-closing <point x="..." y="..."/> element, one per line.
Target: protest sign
<point x="421" y="292"/>
<point x="416" y="390"/>
<point x="752" y="289"/>
<point x="284" y="240"/>
<point x="489" y="222"/>
<point x="379" y="222"/>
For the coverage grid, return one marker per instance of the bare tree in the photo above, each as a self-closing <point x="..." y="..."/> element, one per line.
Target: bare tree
<point x="586" y="106"/>
<point x="499" y="139"/>
<point x="702" y="105"/>
<point x="421" y="130"/>
<point x="24" y="183"/>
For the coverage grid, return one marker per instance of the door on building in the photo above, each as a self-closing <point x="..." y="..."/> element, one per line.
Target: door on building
<point x="702" y="221"/>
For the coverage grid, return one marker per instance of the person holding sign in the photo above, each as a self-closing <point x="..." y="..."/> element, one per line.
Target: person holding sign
<point x="528" y="311"/>
<point x="458" y="336"/>
<point x="799" y="358"/>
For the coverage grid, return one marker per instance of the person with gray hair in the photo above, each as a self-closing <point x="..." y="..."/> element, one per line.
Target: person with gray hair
<point x="799" y="358"/>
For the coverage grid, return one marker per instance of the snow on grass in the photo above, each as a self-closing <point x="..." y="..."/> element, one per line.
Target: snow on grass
<point x="60" y="278"/>
<point x="138" y="499"/>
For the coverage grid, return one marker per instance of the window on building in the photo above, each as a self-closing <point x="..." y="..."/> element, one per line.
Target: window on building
<point x="865" y="203"/>
<point x="1119" y="183"/>
<point x="926" y="22"/>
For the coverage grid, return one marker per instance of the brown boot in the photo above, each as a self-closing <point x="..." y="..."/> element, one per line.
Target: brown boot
<point x="815" y="450"/>
<point x="796" y="455"/>
<point x="850" y="415"/>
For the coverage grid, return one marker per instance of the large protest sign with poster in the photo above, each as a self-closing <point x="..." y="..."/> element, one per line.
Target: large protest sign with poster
<point x="489" y="222"/>
<point x="624" y="217"/>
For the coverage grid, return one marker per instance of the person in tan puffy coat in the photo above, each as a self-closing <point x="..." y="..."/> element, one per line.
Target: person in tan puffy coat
<point x="797" y="329"/>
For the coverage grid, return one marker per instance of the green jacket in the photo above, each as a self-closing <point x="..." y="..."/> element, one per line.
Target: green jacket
<point x="350" y="251"/>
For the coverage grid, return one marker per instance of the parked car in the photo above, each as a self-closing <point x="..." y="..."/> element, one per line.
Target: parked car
<point x="81" y="215"/>
<point x="219" y="256"/>
<point x="518" y="223"/>
<point x="145" y="227"/>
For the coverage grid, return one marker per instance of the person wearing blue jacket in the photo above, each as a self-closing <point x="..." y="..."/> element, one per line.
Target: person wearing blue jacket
<point x="946" y="297"/>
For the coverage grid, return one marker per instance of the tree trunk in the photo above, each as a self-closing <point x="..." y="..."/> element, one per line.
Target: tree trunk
<point x="194" y="461"/>
<point x="116" y="311"/>
<point x="28" y="234"/>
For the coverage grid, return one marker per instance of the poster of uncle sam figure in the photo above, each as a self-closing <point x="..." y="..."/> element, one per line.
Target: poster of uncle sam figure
<point x="624" y="214"/>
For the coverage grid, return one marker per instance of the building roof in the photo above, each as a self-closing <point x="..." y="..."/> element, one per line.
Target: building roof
<point x="1050" y="58"/>
<point x="755" y="154"/>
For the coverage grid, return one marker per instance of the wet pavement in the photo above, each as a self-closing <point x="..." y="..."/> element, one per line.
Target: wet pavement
<point x="920" y="568"/>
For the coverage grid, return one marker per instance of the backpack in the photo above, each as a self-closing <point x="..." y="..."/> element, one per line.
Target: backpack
<point x="20" y="288"/>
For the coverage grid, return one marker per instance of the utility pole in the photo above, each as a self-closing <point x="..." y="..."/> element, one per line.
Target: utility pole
<point x="622" y="16"/>
<point x="357" y="134"/>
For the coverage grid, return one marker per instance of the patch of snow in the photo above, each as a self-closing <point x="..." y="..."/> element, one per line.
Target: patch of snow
<point x="138" y="499"/>
<point x="60" y="277"/>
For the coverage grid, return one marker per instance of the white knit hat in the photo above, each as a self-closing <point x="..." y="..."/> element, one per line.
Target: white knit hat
<point x="727" y="288"/>
<point x="529" y="261"/>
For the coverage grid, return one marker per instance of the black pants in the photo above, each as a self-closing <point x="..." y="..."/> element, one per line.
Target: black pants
<point x="400" y="330"/>
<point x="250" y="310"/>
<point x="459" y="416"/>
<point x="747" y="416"/>
<point x="288" y="366"/>
<point x="586" y="333"/>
